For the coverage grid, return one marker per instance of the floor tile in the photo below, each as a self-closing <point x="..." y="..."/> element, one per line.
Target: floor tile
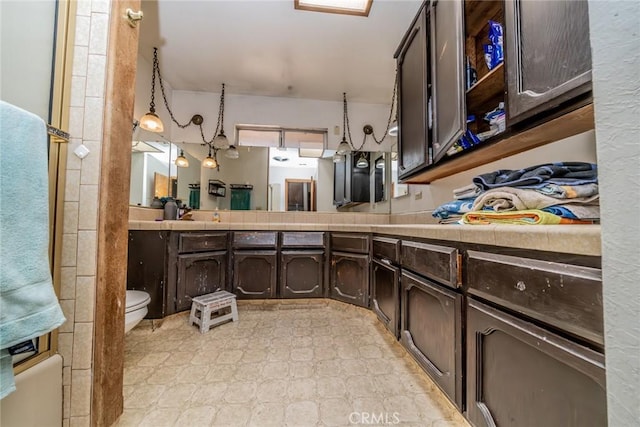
<point x="314" y="363"/>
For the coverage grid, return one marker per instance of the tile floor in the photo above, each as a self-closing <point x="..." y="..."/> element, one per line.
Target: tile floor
<point x="293" y="363"/>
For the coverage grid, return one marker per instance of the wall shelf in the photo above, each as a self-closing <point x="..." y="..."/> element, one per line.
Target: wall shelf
<point x="572" y="123"/>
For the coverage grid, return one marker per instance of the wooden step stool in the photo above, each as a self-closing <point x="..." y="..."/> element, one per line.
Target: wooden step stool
<point x="204" y="306"/>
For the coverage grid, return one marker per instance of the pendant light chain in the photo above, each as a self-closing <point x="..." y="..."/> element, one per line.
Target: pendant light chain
<point x="394" y="103"/>
<point x="394" y="108"/>
<point x="156" y="68"/>
<point x="346" y="126"/>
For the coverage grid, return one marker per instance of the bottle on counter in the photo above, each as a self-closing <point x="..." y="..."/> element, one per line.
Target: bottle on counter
<point x="170" y="209"/>
<point x="216" y="215"/>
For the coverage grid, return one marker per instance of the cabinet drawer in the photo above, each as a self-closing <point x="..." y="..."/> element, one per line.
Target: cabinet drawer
<point x="255" y="239"/>
<point x="434" y="261"/>
<point x="202" y="242"/>
<point x="386" y="248"/>
<point x="302" y="239"/>
<point x="358" y="243"/>
<point x="566" y="296"/>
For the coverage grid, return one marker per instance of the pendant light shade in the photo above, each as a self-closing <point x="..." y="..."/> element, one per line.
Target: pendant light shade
<point x="338" y="158"/>
<point x="220" y="142"/>
<point x="362" y="162"/>
<point x="232" y="152"/>
<point x="181" y="160"/>
<point x="151" y="122"/>
<point x="343" y="147"/>
<point x="210" y="161"/>
<point x="393" y="131"/>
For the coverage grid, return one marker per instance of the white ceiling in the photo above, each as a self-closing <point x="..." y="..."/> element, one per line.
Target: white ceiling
<point x="266" y="47"/>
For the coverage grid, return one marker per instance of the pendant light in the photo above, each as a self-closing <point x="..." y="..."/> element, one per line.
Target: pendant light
<point x="220" y="142"/>
<point x="181" y="160"/>
<point x="362" y="162"/>
<point x="210" y="161"/>
<point x="151" y="121"/>
<point x="338" y="158"/>
<point x="232" y="152"/>
<point x="343" y="147"/>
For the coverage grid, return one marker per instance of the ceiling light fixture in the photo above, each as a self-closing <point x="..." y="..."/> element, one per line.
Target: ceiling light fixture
<point x="152" y="122"/>
<point x="232" y="152"/>
<point x="181" y="160"/>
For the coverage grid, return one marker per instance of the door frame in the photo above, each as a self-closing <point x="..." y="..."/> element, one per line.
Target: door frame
<point x="311" y="182"/>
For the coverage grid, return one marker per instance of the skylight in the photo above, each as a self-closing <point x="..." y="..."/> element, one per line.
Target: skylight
<point x="345" y="7"/>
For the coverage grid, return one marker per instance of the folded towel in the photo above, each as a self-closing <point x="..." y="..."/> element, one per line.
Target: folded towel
<point x="562" y="173"/>
<point x="517" y="199"/>
<point x="28" y="304"/>
<point x="455" y="207"/>
<point x="574" y="211"/>
<point x="526" y="217"/>
<point x="467" y="192"/>
<point x="568" y="191"/>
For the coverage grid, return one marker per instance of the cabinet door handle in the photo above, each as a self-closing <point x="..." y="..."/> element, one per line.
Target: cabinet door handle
<point x="520" y="285"/>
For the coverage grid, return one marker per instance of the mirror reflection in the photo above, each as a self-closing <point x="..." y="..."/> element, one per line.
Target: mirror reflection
<point x="264" y="177"/>
<point x="397" y="189"/>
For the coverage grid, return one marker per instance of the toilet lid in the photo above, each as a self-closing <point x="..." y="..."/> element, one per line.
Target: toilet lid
<point x="136" y="300"/>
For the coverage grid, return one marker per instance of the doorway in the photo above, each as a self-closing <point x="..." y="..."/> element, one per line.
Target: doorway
<point x="300" y="194"/>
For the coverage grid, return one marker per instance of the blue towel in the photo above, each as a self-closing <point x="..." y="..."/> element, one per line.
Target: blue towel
<point x="28" y="304"/>
<point x="453" y="208"/>
<point x="561" y="173"/>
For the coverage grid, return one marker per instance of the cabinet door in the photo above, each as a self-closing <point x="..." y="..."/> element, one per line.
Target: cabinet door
<point x="413" y="63"/>
<point x="146" y="268"/>
<point x="199" y="274"/>
<point x="447" y="38"/>
<point x="385" y="298"/>
<point x="350" y="278"/>
<point x="302" y="274"/>
<point x="548" y="54"/>
<point x="432" y="332"/>
<point x="254" y="274"/>
<point x="521" y="375"/>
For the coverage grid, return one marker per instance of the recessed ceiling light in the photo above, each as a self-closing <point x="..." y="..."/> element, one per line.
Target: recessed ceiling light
<point x="345" y="7"/>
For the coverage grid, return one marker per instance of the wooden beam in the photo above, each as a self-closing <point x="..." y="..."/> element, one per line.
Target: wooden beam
<point x="113" y="205"/>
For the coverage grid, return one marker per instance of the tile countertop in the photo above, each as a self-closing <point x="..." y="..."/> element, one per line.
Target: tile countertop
<point x="574" y="239"/>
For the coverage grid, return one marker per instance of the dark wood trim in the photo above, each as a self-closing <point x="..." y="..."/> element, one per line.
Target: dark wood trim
<point x="572" y="123"/>
<point x="113" y="220"/>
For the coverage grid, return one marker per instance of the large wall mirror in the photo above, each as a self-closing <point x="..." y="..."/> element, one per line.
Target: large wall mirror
<point x="397" y="189"/>
<point x="278" y="169"/>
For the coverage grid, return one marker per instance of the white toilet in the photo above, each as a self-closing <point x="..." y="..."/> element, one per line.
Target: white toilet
<point x="136" y="308"/>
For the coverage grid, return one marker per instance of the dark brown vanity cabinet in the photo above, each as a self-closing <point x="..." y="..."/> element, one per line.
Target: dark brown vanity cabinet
<point x="147" y="268"/>
<point x="201" y="266"/>
<point x="349" y="273"/>
<point x="385" y="282"/>
<point x="547" y="64"/>
<point x="255" y="264"/>
<point x="519" y="374"/>
<point x="431" y="313"/>
<point x="302" y="264"/>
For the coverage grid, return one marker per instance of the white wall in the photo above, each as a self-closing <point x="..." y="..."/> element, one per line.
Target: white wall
<point x="615" y="41"/>
<point x="288" y="112"/>
<point x="325" y="186"/>
<point x="137" y="185"/>
<point x="580" y="147"/>
<point x="250" y="168"/>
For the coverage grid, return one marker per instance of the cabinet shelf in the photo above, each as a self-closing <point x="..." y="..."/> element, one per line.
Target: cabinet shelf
<point x="482" y="95"/>
<point x="572" y="123"/>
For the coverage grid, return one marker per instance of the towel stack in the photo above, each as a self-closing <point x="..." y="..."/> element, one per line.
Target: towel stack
<point x="553" y="193"/>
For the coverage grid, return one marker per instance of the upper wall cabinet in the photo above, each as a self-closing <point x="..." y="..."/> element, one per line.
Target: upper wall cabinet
<point x="350" y="181"/>
<point x="414" y="91"/>
<point x="448" y="69"/>
<point x="469" y="70"/>
<point x="549" y="55"/>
